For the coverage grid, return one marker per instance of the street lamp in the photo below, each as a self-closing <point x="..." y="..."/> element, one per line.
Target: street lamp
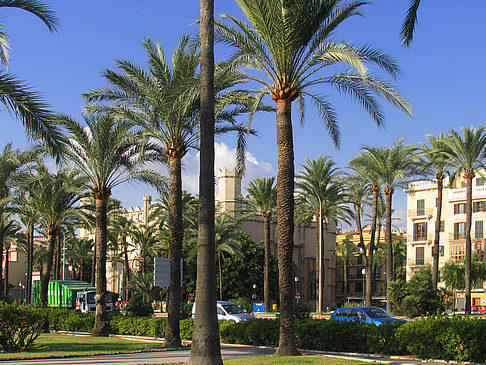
<point x="363" y="274"/>
<point x="319" y="261"/>
<point x="63" y="255"/>
<point x="254" y="296"/>
<point x="297" y="294"/>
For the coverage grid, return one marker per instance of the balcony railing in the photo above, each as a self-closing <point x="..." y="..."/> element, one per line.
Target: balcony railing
<point x="457" y="249"/>
<point x="419" y="262"/>
<point x="420" y="238"/>
<point x="427" y="212"/>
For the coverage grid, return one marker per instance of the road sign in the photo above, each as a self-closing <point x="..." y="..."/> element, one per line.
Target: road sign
<point x="162" y="271"/>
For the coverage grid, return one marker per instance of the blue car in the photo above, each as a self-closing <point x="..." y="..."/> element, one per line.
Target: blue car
<point x="373" y="315"/>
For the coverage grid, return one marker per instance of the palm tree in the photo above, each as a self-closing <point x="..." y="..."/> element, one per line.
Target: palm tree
<point x="289" y="43"/>
<point x="80" y="254"/>
<point x="13" y="165"/>
<point x="435" y="159"/>
<point x="346" y="251"/>
<point x="9" y="232"/>
<point x="321" y="190"/>
<point x="145" y="239"/>
<point x="121" y="229"/>
<point x="108" y="154"/>
<point x="395" y="167"/>
<point x="365" y="167"/>
<point x="466" y="155"/>
<point x="56" y="196"/>
<point x="15" y="95"/>
<point x="262" y="200"/>
<point x="165" y="104"/>
<point x="227" y="242"/>
<point x="205" y="348"/>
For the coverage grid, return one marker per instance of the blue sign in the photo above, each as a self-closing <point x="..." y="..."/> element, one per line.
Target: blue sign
<point x="258" y="307"/>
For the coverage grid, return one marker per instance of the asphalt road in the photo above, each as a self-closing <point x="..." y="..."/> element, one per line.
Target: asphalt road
<point x="182" y="356"/>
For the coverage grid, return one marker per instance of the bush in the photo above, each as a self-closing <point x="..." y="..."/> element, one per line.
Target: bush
<point x="139" y="308"/>
<point x="20" y="325"/>
<point x="439" y="337"/>
<point x="301" y="310"/>
<point x="69" y="320"/>
<point x="186" y="328"/>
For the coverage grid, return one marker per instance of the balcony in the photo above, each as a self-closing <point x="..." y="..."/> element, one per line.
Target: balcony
<point x="457" y="248"/>
<point x="421" y="185"/>
<point x="460" y="194"/>
<point x="424" y="213"/>
<point x="420" y="239"/>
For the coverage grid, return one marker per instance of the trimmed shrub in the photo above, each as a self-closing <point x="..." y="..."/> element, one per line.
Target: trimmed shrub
<point x="438" y="337"/>
<point x="20" y="325"/>
<point x="69" y="320"/>
<point x="139" y="308"/>
<point x="186" y="328"/>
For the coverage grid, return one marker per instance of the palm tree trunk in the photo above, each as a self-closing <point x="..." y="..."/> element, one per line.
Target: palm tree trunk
<point x="7" y="252"/>
<point x="172" y="331"/>
<point x="285" y="226"/>
<point x="371" y="249"/>
<point x="93" y="266"/>
<point x="435" y="249"/>
<point x="345" y="274"/>
<point x="46" y="274"/>
<point x="126" y="273"/>
<point x="205" y="348"/>
<point x="389" y="247"/>
<point x="467" y="265"/>
<point x="266" y="269"/>
<point x="2" y="239"/>
<point x="101" y="326"/>
<point x="30" y="248"/>
<point x="220" y="275"/>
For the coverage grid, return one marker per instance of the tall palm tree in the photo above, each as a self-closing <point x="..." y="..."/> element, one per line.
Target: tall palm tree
<point x="108" y="154"/>
<point x="17" y="97"/>
<point x="227" y="242"/>
<point x="13" y="165"/>
<point x="56" y="196"/>
<point x="435" y="160"/>
<point x="346" y="251"/>
<point x="466" y="155"/>
<point x="395" y="167"/>
<point x="323" y="193"/>
<point x="121" y="229"/>
<point x="80" y="254"/>
<point x="358" y="188"/>
<point x="262" y="200"/>
<point x="289" y="43"/>
<point x="164" y="103"/>
<point x="145" y="239"/>
<point x="205" y="348"/>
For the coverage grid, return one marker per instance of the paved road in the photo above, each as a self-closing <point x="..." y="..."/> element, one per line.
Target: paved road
<point x="182" y="356"/>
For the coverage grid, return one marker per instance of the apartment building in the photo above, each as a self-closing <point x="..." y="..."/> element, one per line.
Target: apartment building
<point x="356" y="269"/>
<point x="421" y="216"/>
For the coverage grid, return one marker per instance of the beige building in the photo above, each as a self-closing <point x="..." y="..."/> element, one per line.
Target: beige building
<point x="228" y="198"/>
<point x="356" y="269"/>
<point x="421" y="216"/>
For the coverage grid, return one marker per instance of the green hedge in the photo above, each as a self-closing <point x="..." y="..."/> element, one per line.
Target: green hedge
<point x="456" y="338"/>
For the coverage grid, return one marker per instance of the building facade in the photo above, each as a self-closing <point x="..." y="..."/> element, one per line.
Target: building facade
<point x="421" y="216"/>
<point x="356" y="268"/>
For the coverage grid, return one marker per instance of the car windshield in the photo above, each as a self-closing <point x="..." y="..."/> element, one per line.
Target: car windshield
<point x="377" y="313"/>
<point x="91" y="298"/>
<point x="232" y="309"/>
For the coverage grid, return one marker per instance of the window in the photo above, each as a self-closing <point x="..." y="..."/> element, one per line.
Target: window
<point x="478" y="229"/>
<point x="420" y="231"/>
<point x="459" y="231"/>
<point x="442" y="226"/>
<point x="436" y="202"/>
<point x="358" y="287"/>
<point x="421" y="207"/>
<point x="419" y="255"/>
<point x="479" y="206"/>
<point x="479" y="181"/>
<point x="359" y="260"/>
<point x="441" y="251"/>
<point x="460" y="208"/>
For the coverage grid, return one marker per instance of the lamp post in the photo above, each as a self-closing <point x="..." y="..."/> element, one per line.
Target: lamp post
<point x="254" y="296"/>
<point x="297" y="294"/>
<point x="363" y="274"/>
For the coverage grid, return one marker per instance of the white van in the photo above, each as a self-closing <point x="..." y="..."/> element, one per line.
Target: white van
<point x="229" y="311"/>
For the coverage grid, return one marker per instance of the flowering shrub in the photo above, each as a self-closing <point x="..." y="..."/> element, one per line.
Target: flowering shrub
<point x="20" y="325"/>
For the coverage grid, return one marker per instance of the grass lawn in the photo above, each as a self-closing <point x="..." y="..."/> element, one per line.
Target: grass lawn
<point x="51" y="344"/>
<point x="291" y="360"/>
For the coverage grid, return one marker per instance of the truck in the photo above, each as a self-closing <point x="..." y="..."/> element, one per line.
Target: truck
<point x="74" y="294"/>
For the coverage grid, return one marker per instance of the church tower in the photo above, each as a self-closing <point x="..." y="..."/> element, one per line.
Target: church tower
<point x="229" y="191"/>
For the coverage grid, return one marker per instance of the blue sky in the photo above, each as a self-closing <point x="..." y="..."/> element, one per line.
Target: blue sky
<point x="443" y="73"/>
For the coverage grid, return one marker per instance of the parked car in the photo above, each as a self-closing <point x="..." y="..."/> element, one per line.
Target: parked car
<point x="373" y="315"/>
<point x="229" y="311"/>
